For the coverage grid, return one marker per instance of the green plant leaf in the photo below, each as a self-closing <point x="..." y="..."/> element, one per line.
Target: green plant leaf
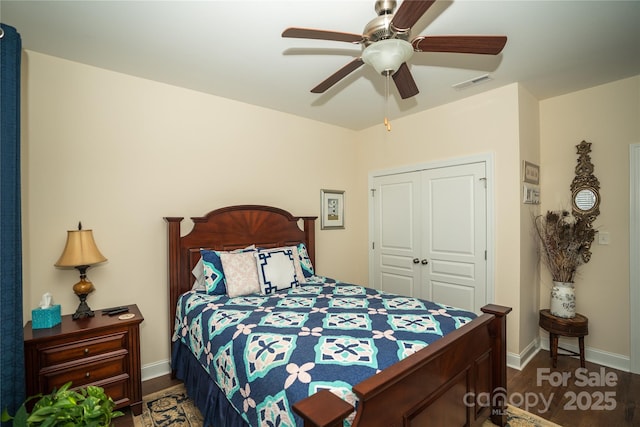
<point x="5" y="416"/>
<point x="64" y="407"/>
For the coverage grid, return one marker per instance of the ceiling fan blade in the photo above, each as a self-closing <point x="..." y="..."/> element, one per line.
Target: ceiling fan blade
<point x="409" y="12"/>
<point x="404" y="82"/>
<point x="338" y="75"/>
<point x="485" y="45"/>
<point x="310" y="33"/>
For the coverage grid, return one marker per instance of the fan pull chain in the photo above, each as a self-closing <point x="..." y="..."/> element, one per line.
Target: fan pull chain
<point x="387" y="123"/>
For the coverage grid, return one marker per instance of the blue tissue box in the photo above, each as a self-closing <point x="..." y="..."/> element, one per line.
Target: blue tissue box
<point x="45" y="317"/>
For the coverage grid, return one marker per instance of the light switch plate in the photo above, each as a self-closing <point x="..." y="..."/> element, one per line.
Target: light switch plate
<point x="603" y="238"/>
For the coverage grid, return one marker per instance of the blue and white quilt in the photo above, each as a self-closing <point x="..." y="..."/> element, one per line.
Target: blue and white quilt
<point x="267" y="352"/>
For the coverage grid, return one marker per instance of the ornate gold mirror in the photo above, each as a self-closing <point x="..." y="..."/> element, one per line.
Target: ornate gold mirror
<point x="585" y="190"/>
<point x="585" y="199"/>
<point x="585" y="194"/>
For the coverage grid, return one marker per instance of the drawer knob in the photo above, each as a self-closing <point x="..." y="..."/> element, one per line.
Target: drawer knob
<point x="86" y="351"/>
<point x="87" y="375"/>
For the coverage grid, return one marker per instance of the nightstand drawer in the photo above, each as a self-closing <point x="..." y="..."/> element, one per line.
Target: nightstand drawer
<point x="86" y="373"/>
<point x="55" y="355"/>
<point x="118" y="390"/>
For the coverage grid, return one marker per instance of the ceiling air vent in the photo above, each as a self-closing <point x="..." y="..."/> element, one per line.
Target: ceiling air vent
<point x="472" y="82"/>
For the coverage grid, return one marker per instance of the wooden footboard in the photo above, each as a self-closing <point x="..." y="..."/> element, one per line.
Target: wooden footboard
<point x="459" y="380"/>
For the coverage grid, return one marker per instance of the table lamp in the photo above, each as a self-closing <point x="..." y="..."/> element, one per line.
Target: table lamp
<point x="81" y="252"/>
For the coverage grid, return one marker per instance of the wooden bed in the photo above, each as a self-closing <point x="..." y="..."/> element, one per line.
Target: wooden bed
<point x="435" y="386"/>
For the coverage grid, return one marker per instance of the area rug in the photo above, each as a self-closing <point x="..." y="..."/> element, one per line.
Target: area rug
<point x="168" y="407"/>
<point x="172" y="407"/>
<point x="517" y="417"/>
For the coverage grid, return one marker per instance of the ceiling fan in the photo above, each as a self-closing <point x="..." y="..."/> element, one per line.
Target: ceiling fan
<point x="386" y="45"/>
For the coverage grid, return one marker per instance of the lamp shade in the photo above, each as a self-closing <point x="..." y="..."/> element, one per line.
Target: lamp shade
<point x="387" y="55"/>
<point x="79" y="250"/>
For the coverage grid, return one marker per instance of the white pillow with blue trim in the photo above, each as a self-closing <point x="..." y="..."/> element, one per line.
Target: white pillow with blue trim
<point x="276" y="269"/>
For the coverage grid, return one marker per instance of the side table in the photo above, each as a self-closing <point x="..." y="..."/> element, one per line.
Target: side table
<point x="577" y="326"/>
<point x="102" y="350"/>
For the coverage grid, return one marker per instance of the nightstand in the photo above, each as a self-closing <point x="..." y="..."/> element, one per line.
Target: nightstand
<point x="102" y="350"/>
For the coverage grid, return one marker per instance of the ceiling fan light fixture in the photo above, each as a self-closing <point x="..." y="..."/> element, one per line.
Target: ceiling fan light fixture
<point x="386" y="56"/>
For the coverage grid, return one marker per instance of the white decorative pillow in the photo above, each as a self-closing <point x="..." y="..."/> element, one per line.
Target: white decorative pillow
<point x="198" y="273"/>
<point x="209" y="272"/>
<point x="276" y="270"/>
<point x="240" y="273"/>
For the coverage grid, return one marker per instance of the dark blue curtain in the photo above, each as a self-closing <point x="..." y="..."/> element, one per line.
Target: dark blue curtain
<point x="12" y="381"/>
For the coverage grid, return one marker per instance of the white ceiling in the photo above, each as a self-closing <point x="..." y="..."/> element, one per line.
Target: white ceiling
<point x="233" y="49"/>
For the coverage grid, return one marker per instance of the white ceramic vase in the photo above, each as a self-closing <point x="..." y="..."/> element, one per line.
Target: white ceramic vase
<point x="563" y="300"/>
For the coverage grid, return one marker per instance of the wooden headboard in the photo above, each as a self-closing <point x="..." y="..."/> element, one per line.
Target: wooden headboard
<point x="230" y="228"/>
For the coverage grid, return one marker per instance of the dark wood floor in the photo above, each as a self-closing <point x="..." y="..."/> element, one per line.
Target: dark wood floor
<point x="585" y="399"/>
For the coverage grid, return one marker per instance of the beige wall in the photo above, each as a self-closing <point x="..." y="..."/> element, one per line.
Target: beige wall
<point x="608" y="116"/>
<point x="485" y="123"/>
<point x="119" y="153"/>
<point x="529" y="138"/>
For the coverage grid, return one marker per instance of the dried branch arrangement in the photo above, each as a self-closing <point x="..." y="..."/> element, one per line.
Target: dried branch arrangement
<point x="564" y="239"/>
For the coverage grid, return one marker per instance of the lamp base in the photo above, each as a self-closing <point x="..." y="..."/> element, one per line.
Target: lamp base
<point x="82" y="289"/>
<point x="83" y="309"/>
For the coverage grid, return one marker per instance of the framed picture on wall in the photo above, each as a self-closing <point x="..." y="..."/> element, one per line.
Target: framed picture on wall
<point x="332" y="207"/>
<point x="530" y="194"/>
<point x="530" y="173"/>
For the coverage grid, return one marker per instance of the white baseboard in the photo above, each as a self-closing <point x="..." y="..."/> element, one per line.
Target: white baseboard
<point x="519" y="361"/>
<point x="156" y="369"/>
<point x="594" y="355"/>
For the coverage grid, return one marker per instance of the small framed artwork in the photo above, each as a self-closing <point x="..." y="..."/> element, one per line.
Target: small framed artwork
<point x="332" y="205"/>
<point x="531" y="173"/>
<point x="530" y="194"/>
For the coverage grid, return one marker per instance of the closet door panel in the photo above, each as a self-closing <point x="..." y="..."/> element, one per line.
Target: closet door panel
<point x="454" y="236"/>
<point x="429" y="234"/>
<point x="396" y="233"/>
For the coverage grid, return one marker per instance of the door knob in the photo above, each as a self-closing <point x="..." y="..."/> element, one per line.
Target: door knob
<point x="424" y="262"/>
<point x="416" y="260"/>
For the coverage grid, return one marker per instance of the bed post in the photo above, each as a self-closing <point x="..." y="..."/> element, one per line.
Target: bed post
<point x="310" y="237"/>
<point x="174" y="267"/>
<point x="498" y="330"/>
<point x="324" y="409"/>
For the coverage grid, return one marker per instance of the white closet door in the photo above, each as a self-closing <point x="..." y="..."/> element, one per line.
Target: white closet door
<point x="454" y="236"/>
<point x="430" y="235"/>
<point x="397" y="235"/>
